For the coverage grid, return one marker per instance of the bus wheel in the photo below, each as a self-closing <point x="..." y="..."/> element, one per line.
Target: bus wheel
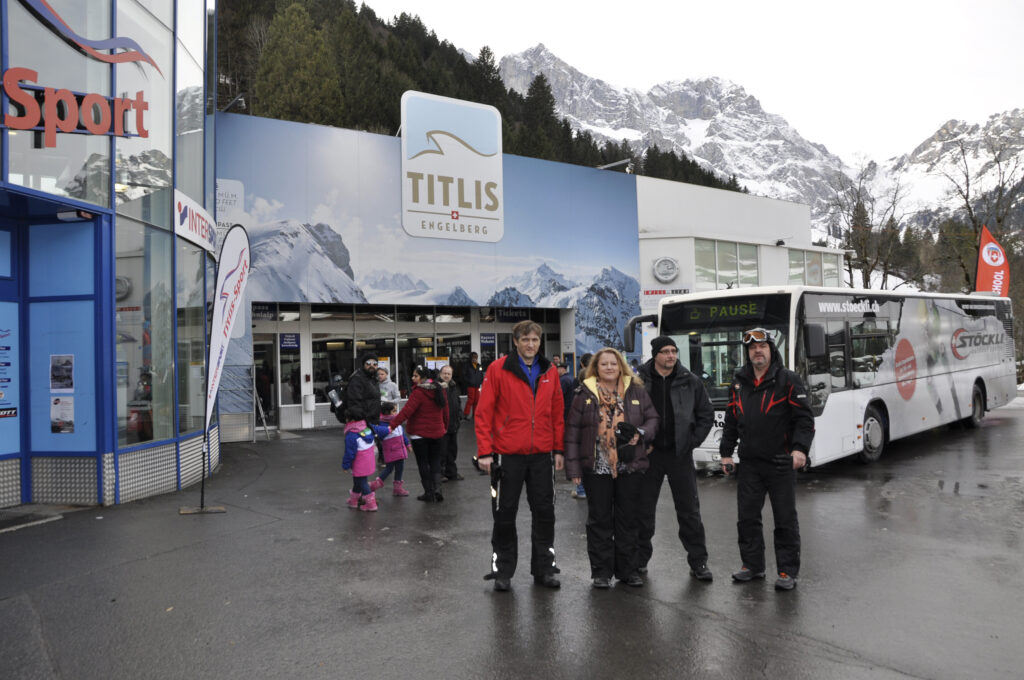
<point x="977" y="407"/>
<point x="874" y="436"/>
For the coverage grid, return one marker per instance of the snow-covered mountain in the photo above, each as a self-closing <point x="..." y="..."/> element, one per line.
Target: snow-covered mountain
<point x="712" y="120"/>
<point x="398" y="288"/>
<point x="539" y="283"/>
<point x="603" y="305"/>
<point x="604" y="308"/>
<point x="925" y="172"/>
<point x="509" y="297"/>
<point x="378" y="279"/>
<point x="721" y="126"/>
<point x="310" y="264"/>
<point x="448" y="297"/>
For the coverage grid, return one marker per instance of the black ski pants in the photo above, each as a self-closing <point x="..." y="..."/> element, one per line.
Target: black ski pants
<point x="682" y="480"/>
<point x="537" y="473"/>
<point x="755" y="479"/>
<point x="612" y="507"/>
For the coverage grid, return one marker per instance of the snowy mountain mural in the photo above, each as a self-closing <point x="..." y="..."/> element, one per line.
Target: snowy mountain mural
<point x="509" y="297"/>
<point x="296" y="262"/>
<point x="383" y="280"/>
<point x="603" y="305"/>
<point x="329" y="232"/>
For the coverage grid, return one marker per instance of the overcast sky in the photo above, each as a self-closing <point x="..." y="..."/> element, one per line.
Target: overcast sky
<point x="872" y="79"/>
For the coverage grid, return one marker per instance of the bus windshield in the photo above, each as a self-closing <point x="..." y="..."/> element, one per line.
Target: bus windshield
<point x="709" y="333"/>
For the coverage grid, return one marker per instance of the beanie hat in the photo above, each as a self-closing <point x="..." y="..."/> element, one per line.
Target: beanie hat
<point x="661" y="342"/>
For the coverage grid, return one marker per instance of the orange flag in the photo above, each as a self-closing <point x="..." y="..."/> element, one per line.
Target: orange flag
<point x="993" y="269"/>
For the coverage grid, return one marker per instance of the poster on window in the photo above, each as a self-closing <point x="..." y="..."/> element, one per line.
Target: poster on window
<point x="62" y="373"/>
<point x="62" y="415"/>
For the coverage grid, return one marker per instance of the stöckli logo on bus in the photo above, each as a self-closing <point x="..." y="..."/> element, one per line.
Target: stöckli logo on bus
<point x="56" y="109"/>
<point x="965" y="341"/>
<point x="452" y="178"/>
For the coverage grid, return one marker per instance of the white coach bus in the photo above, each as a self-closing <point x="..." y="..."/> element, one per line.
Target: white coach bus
<point x="879" y="365"/>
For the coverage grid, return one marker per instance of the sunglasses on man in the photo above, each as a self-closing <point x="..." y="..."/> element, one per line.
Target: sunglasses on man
<point x="755" y="335"/>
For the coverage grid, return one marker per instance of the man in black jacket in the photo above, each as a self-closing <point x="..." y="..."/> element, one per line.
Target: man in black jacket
<point x="450" y="447"/>
<point x="362" y="394"/>
<point x="686" y="418"/>
<point x="770" y="416"/>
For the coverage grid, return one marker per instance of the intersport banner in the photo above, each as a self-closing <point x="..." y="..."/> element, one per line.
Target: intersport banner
<point x="993" y="268"/>
<point x="232" y="275"/>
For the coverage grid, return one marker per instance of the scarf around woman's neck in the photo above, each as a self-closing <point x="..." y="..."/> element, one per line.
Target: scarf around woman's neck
<point x="610" y="414"/>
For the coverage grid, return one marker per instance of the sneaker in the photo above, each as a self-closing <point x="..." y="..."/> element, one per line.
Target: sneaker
<point x="785" y="581"/>
<point x="502" y="584"/>
<point x="579" y="491"/>
<point x="701" y="573"/>
<point x="602" y="583"/>
<point x="745" y="574"/>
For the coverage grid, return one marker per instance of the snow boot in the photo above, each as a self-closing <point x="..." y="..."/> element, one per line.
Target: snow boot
<point x="353" y="499"/>
<point x="369" y="503"/>
<point x="376" y="484"/>
<point x="399" y="489"/>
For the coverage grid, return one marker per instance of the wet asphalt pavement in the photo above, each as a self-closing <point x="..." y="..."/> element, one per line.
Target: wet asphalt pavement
<point x="911" y="569"/>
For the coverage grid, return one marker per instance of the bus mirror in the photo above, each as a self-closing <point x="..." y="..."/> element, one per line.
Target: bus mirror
<point x="629" y="333"/>
<point x="814" y="340"/>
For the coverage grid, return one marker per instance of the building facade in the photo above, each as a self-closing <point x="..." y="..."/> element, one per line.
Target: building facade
<point x="338" y="268"/>
<point x="106" y="248"/>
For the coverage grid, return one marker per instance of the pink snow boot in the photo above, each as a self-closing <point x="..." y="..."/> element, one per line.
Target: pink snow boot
<point x="369" y="503"/>
<point x="353" y="499"/>
<point x="376" y="484"/>
<point x="399" y="489"/>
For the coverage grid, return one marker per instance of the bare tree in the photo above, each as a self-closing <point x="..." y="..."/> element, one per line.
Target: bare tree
<point x="988" y="182"/>
<point x="869" y="222"/>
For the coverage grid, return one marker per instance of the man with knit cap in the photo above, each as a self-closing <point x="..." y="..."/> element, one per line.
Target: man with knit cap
<point x="686" y="417"/>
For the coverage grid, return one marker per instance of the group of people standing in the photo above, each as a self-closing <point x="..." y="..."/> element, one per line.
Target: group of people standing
<point x="621" y="435"/>
<point x="427" y="425"/>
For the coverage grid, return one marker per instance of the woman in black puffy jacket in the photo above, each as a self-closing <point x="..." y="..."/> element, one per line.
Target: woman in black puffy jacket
<point x="611" y="423"/>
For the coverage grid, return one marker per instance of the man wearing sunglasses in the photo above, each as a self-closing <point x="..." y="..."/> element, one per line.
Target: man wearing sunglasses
<point x="362" y="394"/>
<point x="770" y="417"/>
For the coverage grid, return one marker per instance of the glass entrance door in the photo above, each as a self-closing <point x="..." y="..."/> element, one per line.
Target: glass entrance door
<point x="264" y="348"/>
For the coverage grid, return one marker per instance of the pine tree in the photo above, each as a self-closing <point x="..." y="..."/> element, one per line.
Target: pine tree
<point x="296" y="79"/>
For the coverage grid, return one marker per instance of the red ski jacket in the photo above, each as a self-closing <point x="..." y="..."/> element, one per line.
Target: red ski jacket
<point x="513" y="419"/>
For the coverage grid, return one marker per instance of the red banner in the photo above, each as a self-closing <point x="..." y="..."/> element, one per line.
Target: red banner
<point x="993" y="268"/>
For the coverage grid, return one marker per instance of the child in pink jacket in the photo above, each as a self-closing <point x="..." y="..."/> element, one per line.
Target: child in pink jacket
<point x="396" y="449"/>
<point x="361" y="459"/>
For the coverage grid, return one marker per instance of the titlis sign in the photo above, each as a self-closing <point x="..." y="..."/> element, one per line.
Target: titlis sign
<point x="54" y="109"/>
<point x="452" y="181"/>
<point x="232" y="275"/>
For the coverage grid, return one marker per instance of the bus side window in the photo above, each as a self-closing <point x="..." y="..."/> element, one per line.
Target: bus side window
<point x="868" y="352"/>
<point x="837" y="362"/>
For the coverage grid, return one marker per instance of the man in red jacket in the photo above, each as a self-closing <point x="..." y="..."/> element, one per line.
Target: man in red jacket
<point x="519" y="432"/>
